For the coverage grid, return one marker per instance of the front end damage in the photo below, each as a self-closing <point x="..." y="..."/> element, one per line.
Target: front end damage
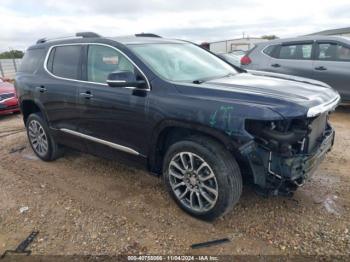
<point x="284" y="154"/>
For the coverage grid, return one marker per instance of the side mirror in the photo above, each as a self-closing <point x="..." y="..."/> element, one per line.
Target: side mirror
<point x="125" y="79"/>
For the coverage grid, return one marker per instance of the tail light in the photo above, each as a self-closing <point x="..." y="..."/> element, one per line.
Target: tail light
<point x="245" y="60"/>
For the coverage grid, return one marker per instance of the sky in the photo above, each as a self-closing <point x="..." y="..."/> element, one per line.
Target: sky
<point x="25" y="21"/>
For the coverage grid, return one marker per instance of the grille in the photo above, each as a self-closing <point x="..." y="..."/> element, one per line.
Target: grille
<point x="318" y="127"/>
<point x="6" y="96"/>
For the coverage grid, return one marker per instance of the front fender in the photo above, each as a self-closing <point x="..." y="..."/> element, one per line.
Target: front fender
<point x="159" y="134"/>
<point x="230" y="143"/>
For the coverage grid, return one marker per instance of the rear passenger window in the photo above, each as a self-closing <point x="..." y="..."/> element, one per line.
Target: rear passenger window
<point x="32" y="59"/>
<point x="296" y="51"/>
<point x="64" y="61"/>
<point x="269" y="50"/>
<point x="333" y="52"/>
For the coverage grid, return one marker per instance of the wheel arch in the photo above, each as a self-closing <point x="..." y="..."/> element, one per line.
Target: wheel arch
<point x="29" y="106"/>
<point x="171" y="131"/>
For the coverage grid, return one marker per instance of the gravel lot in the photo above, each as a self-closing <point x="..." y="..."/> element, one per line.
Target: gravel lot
<point x="86" y="205"/>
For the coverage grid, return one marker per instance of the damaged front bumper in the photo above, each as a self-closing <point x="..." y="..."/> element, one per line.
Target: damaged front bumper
<point x="276" y="174"/>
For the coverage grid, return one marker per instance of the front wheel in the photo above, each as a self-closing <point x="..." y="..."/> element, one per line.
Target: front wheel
<point x="202" y="177"/>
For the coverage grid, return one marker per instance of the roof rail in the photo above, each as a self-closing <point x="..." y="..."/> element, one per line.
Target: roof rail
<point x="147" y="35"/>
<point x="79" y="34"/>
<point x="41" y="40"/>
<point x="87" y="34"/>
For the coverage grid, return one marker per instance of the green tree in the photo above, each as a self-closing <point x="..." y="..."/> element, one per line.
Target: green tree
<point x="11" y="54"/>
<point x="269" y="37"/>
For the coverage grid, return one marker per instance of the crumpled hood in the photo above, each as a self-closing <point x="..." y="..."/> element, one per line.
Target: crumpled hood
<point x="301" y="92"/>
<point x="288" y="77"/>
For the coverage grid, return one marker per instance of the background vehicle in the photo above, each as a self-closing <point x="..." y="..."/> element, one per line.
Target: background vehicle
<point x="234" y="58"/>
<point x="8" y="99"/>
<point x="177" y="110"/>
<point x="324" y="58"/>
<point x="239" y="53"/>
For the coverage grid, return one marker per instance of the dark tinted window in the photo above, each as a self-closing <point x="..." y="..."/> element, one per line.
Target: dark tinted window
<point x="269" y="50"/>
<point x="333" y="52"/>
<point x="65" y="61"/>
<point x="32" y="59"/>
<point x="296" y="51"/>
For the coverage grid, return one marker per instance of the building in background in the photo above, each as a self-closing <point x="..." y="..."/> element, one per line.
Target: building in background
<point x="336" y="32"/>
<point x="228" y="46"/>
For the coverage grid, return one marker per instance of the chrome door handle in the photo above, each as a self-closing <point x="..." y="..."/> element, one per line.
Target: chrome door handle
<point x="41" y="89"/>
<point x="86" y="95"/>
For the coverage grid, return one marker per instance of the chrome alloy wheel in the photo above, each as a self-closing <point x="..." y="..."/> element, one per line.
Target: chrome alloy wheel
<point x="193" y="181"/>
<point x="38" y="138"/>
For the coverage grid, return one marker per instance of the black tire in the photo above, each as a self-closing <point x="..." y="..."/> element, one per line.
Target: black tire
<point x="223" y="165"/>
<point x="53" y="150"/>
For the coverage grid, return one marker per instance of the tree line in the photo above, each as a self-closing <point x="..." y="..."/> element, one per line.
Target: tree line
<point x="11" y="54"/>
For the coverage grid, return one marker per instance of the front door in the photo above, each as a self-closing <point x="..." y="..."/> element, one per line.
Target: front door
<point x="111" y="117"/>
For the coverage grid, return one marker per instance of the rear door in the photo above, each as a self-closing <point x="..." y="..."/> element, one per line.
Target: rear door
<point x="293" y="58"/>
<point x="332" y="66"/>
<point x="58" y="91"/>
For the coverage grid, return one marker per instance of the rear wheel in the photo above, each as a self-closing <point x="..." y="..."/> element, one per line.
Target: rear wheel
<point x="202" y="177"/>
<point x="41" y="141"/>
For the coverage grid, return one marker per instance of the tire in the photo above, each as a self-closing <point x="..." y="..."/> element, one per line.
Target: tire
<point x="219" y="171"/>
<point x="37" y="127"/>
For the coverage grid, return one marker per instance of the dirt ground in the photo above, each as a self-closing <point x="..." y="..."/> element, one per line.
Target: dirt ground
<point x="86" y="205"/>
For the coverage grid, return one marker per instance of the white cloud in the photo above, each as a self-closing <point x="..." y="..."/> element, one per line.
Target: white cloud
<point x="23" y="22"/>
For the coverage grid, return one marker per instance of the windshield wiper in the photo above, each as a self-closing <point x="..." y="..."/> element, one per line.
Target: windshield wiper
<point x="200" y="81"/>
<point x="229" y="74"/>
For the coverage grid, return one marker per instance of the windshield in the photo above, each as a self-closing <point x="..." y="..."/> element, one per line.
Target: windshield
<point x="182" y="61"/>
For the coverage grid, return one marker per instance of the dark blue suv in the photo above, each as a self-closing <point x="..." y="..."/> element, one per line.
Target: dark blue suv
<point x="176" y="110"/>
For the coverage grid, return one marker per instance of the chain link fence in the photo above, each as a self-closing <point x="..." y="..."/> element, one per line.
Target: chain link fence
<point x="9" y="67"/>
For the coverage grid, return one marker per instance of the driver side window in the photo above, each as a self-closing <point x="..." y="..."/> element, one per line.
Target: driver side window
<point x="103" y="60"/>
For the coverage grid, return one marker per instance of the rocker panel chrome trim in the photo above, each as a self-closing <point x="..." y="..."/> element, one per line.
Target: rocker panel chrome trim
<point x="101" y="141"/>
